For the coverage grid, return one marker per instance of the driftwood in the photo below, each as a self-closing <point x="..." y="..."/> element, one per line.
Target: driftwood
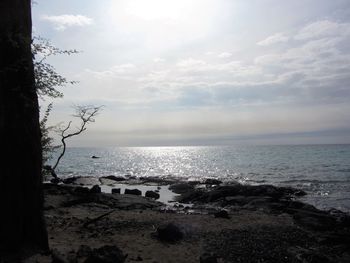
<point x="97" y="218"/>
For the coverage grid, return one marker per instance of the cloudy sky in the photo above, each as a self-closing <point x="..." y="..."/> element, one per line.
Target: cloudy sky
<point x="203" y="72"/>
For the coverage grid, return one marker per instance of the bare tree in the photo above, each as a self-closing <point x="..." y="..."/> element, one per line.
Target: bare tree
<point x="86" y="115"/>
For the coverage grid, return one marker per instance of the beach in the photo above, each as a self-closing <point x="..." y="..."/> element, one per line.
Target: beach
<point x="218" y="222"/>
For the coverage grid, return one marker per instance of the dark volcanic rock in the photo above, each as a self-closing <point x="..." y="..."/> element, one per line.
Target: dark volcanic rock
<point x="55" y="180"/>
<point x="315" y="220"/>
<point x="152" y="194"/>
<point x="222" y="192"/>
<point x="243" y="200"/>
<point x="191" y="196"/>
<point x="132" y="192"/>
<point x="70" y="180"/>
<point x="95" y="189"/>
<point x="181" y="188"/>
<point x="341" y="217"/>
<point x="106" y="254"/>
<point x="114" y="178"/>
<point x="115" y="190"/>
<point x="156" y="180"/>
<point x="212" y="181"/>
<point x="169" y="232"/>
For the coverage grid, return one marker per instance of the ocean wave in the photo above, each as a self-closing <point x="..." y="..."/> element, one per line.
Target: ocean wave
<point x="313" y="181"/>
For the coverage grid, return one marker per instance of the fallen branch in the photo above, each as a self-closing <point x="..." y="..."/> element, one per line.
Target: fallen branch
<point x="97" y="218"/>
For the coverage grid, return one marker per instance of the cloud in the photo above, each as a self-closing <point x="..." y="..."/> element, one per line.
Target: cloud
<point x="117" y="71"/>
<point x="274" y="39"/>
<point x="225" y="55"/>
<point x="62" y="22"/>
<point x="190" y="62"/>
<point x="323" y="28"/>
<point x="308" y="72"/>
<point x="158" y="60"/>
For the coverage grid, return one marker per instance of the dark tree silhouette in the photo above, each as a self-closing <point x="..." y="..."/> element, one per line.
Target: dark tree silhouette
<point x="86" y="115"/>
<point x="47" y="82"/>
<point x="21" y="198"/>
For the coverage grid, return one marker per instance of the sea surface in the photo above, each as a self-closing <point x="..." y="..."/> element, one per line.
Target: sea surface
<point x="323" y="171"/>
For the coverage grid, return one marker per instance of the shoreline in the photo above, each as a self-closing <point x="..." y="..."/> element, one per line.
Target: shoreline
<point x="226" y="223"/>
<point x="151" y="182"/>
<point x="320" y="171"/>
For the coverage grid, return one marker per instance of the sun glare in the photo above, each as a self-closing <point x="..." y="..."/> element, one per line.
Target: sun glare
<point x="163" y="24"/>
<point x="170" y="10"/>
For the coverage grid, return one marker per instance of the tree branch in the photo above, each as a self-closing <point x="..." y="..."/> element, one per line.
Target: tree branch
<point x="86" y="114"/>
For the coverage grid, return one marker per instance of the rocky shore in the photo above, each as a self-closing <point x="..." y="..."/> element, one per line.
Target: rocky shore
<point x="210" y="222"/>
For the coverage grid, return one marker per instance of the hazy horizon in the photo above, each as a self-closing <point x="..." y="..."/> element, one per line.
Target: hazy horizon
<point x="203" y="72"/>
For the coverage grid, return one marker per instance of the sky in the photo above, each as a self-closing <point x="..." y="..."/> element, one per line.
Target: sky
<point x="203" y="72"/>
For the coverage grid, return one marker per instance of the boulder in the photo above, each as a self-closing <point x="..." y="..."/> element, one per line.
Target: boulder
<point x="212" y="181"/>
<point x="95" y="189"/>
<point x="55" y="180"/>
<point x="106" y="254"/>
<point x="181" y="188"/>
<point x="152" y="194"/>
<point x="115" y="190"/>
<point x="70" y="180"/>
<point x="132" y="192"/>
<point x="169" y="232"/>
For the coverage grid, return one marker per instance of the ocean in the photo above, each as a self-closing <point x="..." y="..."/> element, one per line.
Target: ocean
<point x="323" y="171"/>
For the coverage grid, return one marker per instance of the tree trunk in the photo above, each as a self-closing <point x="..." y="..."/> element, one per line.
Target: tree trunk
<point x="21" y="198"/>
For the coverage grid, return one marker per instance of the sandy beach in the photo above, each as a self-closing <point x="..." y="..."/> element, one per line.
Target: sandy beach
<point x="225" y="223"/>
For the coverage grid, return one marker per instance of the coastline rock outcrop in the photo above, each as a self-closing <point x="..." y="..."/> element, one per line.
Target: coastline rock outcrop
<point x="115" y="190"/>
<point x="181" y="188"/>
<point x="132" y="192"/>
<point x="115" y="178"/>
<point x="259" y="228"/>
<point x="211" y="181"/>
<point x="95" y="189"/>
<point x="152" y="194"/>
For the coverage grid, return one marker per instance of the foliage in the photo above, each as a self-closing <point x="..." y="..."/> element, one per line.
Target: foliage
<point x="47" y="80"/>
<point x="47" y="142"/>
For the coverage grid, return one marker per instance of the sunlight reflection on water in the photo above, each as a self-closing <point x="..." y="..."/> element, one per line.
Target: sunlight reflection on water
<point x="322" y="170"/>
